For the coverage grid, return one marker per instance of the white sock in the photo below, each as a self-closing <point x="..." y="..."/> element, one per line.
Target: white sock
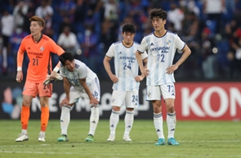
<point x="65" y="119"/>
<point x="24" y="131"/>
<point x="158" y="121"/>
<point x="42" y="133"/>
<point x="94" y="119"/>
<point x="114" y="120"/>
<point x="171" y="124"/>
<point x="129" y="119"/>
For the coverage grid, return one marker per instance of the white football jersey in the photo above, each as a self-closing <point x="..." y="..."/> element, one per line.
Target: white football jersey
<point x="161" y="51"/>
<point x="81" y="71"/>
<point x="126" y="66"/>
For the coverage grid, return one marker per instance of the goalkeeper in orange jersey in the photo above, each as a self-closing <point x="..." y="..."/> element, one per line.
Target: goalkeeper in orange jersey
<point x="38" y="48"/>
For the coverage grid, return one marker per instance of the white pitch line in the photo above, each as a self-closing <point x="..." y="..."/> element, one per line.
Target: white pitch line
<point x="134" y="142"/>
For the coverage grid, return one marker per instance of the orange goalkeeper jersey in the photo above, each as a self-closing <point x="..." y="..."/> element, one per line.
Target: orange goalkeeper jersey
<point x="39" y="56"/>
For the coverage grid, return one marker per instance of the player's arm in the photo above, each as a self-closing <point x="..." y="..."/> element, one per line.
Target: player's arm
<point x="186" y="53"/>
<point x="106" y="63"/>
<point x="66" y="85"/>
<point x="93" y="100"/>
<point x="20" y="56"/>
<point x="140" y="63"/>
<point x="142" y="76"/>
<point x="57" y="50"/>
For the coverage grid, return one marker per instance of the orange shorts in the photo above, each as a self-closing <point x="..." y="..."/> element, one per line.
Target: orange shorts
<point x="33" y="89"/>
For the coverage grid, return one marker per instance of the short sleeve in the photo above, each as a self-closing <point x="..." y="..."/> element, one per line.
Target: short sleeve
<point x="143" y="46"/>
<point x="179" y="44"/>
<point x="111" y="51"/>
<point x="54" y="48"/>
<point x="144" y="55"/>
<point x="61" y="70"/>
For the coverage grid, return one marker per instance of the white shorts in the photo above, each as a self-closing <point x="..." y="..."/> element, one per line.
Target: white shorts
<point x="128" y="98"/>
<point x="76" y="94"/>
<point x="155" y="92"/>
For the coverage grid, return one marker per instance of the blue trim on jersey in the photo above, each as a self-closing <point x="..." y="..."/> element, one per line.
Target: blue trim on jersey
<point x="161" y="36"/>
<point x="76" y="66"/>
<point x="98" y="85"/>
<point x="183" y="46"/>
<point x="126" y="46"/>
<point x="140" y="51"/>
<point x="108" y="56"/>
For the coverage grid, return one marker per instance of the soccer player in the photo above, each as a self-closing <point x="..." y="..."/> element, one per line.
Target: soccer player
<point x="126" y="80"/>
<point x="38" y="48"/>
<point x="78" y="81"/>
<point x="161" y="46"/>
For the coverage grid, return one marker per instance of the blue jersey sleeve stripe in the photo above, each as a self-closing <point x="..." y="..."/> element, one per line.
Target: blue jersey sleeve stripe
<point x="183" y="46"/>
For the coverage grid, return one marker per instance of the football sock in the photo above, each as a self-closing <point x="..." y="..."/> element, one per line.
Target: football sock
<point x="25" y="112"/>
<point x="44" y="118"/>
<point x="171" y="124"/>
<point x="64" y="119"/>
<point x="114" y="119"/>
<point x="94" y="119"/>
<point x="158" y="123"/>
<point x="129" y="119"/>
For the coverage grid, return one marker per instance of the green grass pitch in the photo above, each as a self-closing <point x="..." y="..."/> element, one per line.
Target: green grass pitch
<point x="208" y="139"/>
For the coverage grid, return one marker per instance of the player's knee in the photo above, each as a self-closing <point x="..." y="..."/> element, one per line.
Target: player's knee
<point x="170" y="108"/>
<point x="26" y="102"/>
<point x="157" y="107"/>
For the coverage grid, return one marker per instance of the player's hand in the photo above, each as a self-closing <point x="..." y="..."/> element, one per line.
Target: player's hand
<point x="171" y="69"/>
<point x="145" y="71"/>
<point x="65" y="101"/>
<point x="139" y="78"/>
<point x="114" y="79"/>
<point x="19" y="76"/>
<point x="53" y="75"/>
<point x="93" y="101"/>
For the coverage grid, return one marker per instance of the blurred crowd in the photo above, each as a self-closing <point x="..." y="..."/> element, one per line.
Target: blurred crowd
<point x="211" y="28"/>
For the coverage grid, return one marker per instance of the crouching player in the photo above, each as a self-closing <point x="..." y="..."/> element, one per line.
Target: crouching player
<point x="78" y="80"/>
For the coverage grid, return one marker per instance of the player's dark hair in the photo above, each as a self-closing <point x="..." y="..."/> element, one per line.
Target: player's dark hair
<point x="128" y="28"/>
<point x="158" y="12"/>
<point x="65" y="56"/>
<point x="40" y="21"/>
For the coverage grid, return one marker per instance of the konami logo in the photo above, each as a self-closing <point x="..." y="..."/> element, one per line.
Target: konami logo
<point x="207" y="101"/>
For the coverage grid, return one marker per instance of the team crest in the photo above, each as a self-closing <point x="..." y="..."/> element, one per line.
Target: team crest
<point x="168" y="42"/>
<point x="41" y="48"/>
<point x="149" y="94"/>
<point x="113" y="100"/>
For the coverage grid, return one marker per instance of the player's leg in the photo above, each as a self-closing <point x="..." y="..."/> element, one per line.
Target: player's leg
<point x="30" y="91"/>
<point x="64" y="122"/>
<point x="131" y="101"/>
<point x="65" y="114"/>
<point x="45" y="91"/>
<point x="168" y="91"/>
<point x="154" y="95"/>
<point x="117" y="100"/>
<point x="94" y="115"/>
